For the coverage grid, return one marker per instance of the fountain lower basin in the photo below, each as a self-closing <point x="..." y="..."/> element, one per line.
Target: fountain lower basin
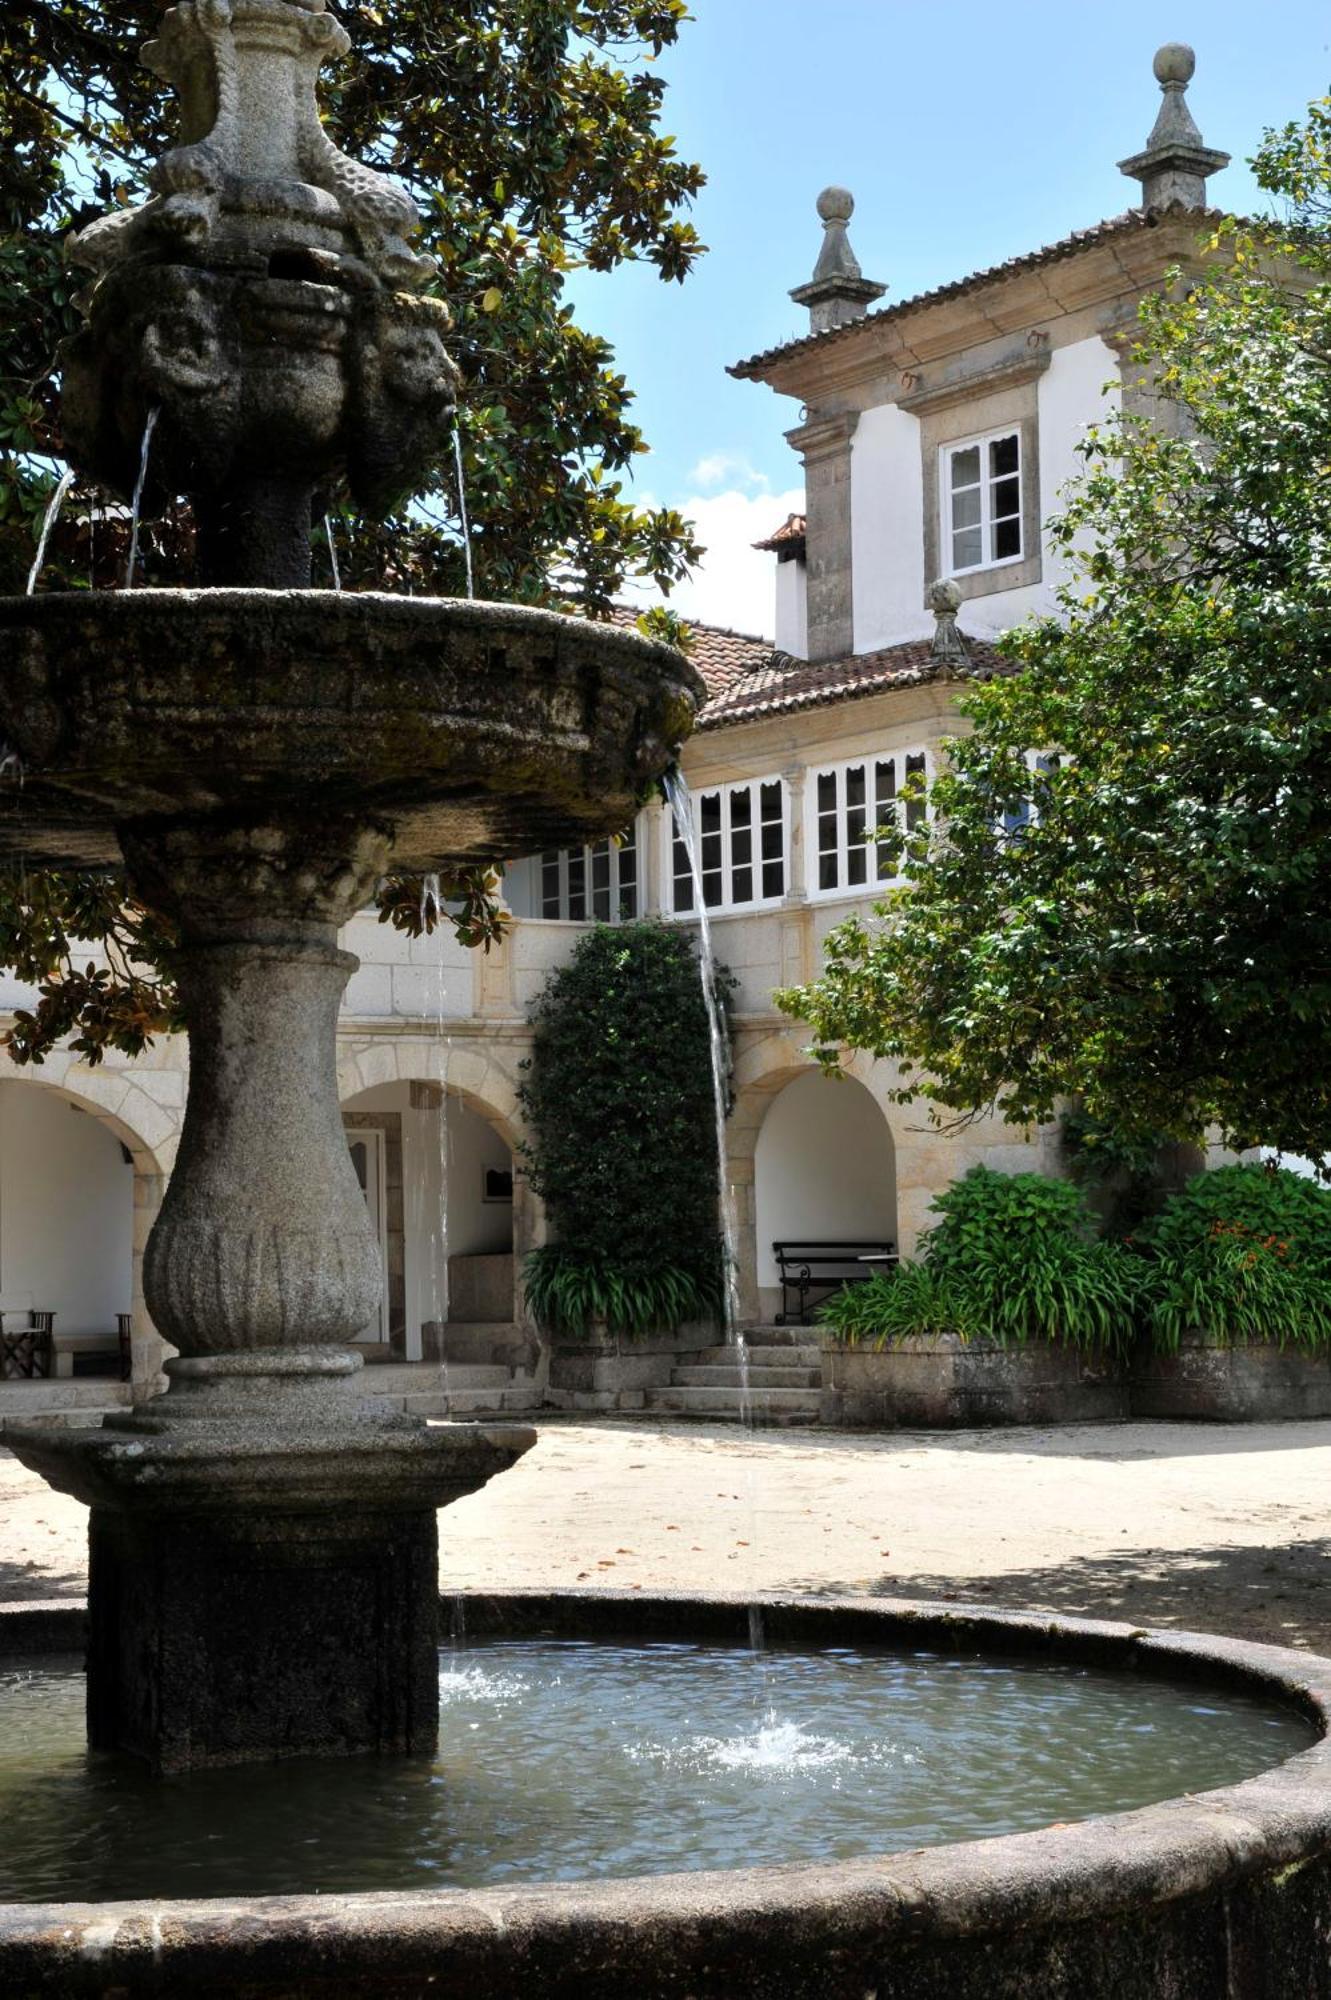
<point x="1224" y="1892"/>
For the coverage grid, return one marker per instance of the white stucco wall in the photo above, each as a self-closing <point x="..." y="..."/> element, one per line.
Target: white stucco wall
<point x="887" y="524"/>
<point x="792" y="609"/>
<point x="824" y="1166"/>
<point x="1073" y="396"/>
<point x="887" y="528"/>
<point x="66" y="1212"/>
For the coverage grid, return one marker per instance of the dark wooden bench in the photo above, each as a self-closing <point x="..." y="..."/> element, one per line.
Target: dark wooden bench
<point x="808" y="1266"/>
<point x="25" y="1350"/>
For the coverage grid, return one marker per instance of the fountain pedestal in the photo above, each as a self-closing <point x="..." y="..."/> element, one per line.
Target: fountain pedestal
<point x="263" y="1547"/>
<point x="264" y="1581"/>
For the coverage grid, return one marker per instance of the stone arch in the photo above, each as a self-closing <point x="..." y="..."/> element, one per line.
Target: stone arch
<point x="825" y="1166"/>
<point x="765" y="1065"/>
<point x="146" y="1130"/>
<point x="414" y="1071"/>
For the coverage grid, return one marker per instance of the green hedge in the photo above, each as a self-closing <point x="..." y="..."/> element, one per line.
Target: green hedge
<point x="618" y="1103"/>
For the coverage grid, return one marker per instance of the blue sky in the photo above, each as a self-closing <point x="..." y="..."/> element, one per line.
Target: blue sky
<point x="968" y="132"/>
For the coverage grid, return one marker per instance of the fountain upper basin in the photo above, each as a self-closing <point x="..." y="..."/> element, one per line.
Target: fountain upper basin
<point x="473" y="731"/>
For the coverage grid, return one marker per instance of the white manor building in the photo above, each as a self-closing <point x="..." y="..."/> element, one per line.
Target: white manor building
<point x="935" y="434"/>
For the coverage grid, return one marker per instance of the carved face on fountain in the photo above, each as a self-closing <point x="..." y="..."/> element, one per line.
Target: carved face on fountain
<point x="266" y="300"/>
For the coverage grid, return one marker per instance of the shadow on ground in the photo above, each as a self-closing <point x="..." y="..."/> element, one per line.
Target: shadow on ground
<point x="1280" y="1593"/>
<point x="26" y="1583"/>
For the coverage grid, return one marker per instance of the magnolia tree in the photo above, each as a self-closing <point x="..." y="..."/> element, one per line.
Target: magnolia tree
<point x="529" y="133"/>
<point x="1144" y="919"/>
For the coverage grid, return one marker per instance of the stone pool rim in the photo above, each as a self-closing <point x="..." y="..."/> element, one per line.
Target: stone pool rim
<point x="808" y="1928"/>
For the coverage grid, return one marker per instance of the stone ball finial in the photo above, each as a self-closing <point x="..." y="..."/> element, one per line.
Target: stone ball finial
<point x="945" y="596"/>
<point x="836" y="204"/>
<point x="1174" y="63"/>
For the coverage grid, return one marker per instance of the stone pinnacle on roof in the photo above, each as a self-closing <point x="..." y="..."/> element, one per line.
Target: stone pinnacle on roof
<point x="949" y="648"/>
<point x="838" y="292"/>
<point x="1175" y="164"/>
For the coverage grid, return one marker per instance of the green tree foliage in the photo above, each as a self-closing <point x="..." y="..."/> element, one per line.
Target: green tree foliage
<point x="1156" y="939"/>
<point x="529" y="133"/>
<point x="618" y="1100"/>
<point x="1013" y="1258"/>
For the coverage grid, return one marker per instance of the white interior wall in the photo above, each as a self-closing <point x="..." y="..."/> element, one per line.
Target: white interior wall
<point x="66" y="1211"/>
<point x="825" y="1166"/>
<point x="476" y="1228"/>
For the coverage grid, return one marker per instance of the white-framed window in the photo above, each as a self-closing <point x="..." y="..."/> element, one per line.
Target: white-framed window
<point x="981" y="481"/>
<point x="595" y="884"/>
<point x="742" y="833"/>
<point x="1041" y="764"/>
<point x="847" y="803"/>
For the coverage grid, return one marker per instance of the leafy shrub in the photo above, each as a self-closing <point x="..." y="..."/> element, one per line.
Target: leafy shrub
<point x="1243" y="1254"/>
<point x="1013" y="1259"/>
<point x="567" y="1291"/>
<point x="619" y="1106"/>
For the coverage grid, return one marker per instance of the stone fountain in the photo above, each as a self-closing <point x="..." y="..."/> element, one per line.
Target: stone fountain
<point x="258" y="755"/>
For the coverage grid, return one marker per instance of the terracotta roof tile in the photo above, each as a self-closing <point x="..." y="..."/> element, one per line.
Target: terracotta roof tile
<point x="792" y="533"/>
<point x="1131" y="222"/>
<point x="746" y="677"/>
<point x="780" y="685"/>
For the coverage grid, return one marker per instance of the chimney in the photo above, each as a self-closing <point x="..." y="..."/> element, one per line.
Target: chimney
<point x="1175" y="165"/>
<point x="838" y="292"/>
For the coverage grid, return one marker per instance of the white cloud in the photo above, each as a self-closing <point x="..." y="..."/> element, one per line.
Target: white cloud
<point x="735" y="584"/>
<point x="722" y="466"/>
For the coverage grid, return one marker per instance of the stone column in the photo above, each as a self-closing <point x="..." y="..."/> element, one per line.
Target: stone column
<point x="824" y="443"/>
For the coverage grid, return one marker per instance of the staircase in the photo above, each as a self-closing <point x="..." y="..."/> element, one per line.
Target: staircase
<point x="69" y="1404"/>
<point x="785" y="1381"/>
<point x="463" y="1389"/>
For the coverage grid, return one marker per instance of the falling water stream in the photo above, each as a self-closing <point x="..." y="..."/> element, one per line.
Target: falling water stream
<point x="56" y="502"/>
<point x="139" y="484"/>
<point x="332" y="552"/>
<point x="462" y="510"/>
<point x="681" y="806"/>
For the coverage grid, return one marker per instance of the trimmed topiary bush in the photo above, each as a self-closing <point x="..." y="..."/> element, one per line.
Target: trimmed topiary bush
<point x="1013" y="1259"/>
<point x="1242" y="1255"/>
<point x="618" y="1102"/>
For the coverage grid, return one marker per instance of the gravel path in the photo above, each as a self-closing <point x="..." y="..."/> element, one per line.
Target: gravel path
<point x="1217" y="1528"/>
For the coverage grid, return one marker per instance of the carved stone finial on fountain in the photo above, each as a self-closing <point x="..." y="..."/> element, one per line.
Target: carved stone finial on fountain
<point x="266" y="300"/>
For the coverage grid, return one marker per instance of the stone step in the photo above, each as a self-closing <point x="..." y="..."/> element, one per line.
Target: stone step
<point x="472" y="1403"/>
<point x="71" y="1392"/>
<point x="57" y="1420"/>
<point x="806" y="1355"/>
<point x="407" y="1378"/>
<point x="727" y="1376"/>
<point x="768" y="1334"/>
<point x="768" y="1406"/>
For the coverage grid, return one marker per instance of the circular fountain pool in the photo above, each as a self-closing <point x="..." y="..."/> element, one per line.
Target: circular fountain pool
<point x="569" y="1760"/>
<point x="907" y="1801"/>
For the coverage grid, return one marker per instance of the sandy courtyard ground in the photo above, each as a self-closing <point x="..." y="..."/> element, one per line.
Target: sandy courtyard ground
<point x="1217" y="1528"/>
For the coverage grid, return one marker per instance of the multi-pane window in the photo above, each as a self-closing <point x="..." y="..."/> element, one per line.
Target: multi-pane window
<point x="1042" y="763"/>
<point x="740" y="834"/>
<point x="591" y="884"/>
<point x="848" y="805"/>
<point x="982" y="502"/>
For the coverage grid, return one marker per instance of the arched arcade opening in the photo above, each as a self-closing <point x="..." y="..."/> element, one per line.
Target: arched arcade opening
<point x="824" y="1168"/>
<point x="437" y="1172"/>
